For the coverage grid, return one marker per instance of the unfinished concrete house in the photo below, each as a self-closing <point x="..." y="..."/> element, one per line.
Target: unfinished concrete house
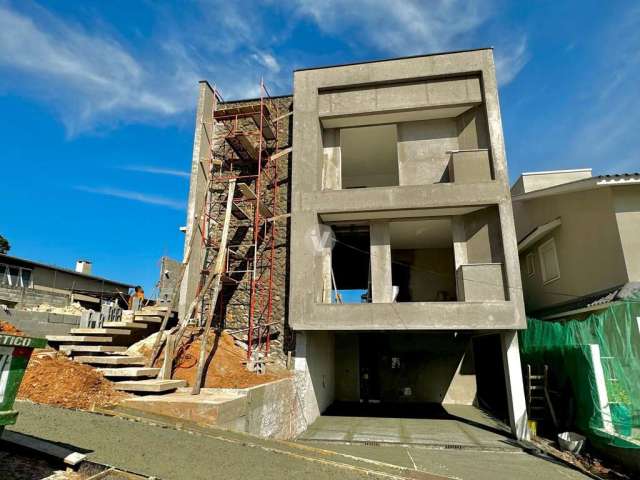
<point x="404" y="277"/>
<point x="362" y="232"/>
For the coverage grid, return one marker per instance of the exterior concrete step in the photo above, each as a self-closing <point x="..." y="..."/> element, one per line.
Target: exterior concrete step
<point x="154" y="308"/>
<point x="99" y="331"/>
<point x="77" y="339"/>
<point x="128" y="325"/>
<point x="71" y="349"/>
<point x="149" y="318"/>
<point x="131" y="372"/>
<point x="124" y="360"/>
<point x="150" y="386"/>
<point x="145" y="313"/>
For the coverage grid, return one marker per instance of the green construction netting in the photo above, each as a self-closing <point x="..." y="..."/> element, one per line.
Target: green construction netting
<point x="567" y="348"/>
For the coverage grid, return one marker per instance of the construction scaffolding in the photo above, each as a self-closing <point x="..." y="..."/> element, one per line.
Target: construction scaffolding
<point x="238" y="227"/>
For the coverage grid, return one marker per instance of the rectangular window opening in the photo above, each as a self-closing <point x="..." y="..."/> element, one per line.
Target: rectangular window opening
<point x="350" y="265"/>
<point x="369" y="156"/>
<point x="423" y="265"/>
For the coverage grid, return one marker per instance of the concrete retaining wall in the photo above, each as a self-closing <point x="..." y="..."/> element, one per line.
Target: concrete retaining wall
<point x="39" y="324"/>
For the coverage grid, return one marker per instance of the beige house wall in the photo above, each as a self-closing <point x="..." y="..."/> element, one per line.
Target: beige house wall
<point x="587" y="242"/>
<point x="627" y="210"/>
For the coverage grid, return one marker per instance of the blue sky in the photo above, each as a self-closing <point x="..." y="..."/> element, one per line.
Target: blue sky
<point x="98" y="97"/>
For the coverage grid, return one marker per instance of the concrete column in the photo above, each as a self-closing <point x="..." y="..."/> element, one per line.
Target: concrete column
<point x="325" y="259"/>
<point x="332" y="160"/>
<point x="381" y="284"/>
<point x="459" y="251"/>
<point x="204" y="133"/>
<point x="515" y="388"/>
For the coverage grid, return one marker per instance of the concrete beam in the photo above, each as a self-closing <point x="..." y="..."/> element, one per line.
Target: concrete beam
<point x="406" y="316"/>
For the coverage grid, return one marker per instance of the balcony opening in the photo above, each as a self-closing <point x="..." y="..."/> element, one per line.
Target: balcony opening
<point x="423" y="265"/>
<point x="369" y="156"/>
<point x="350" y="264"/>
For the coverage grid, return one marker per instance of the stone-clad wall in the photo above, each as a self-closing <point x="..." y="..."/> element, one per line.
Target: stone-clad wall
<point x="236" y="315"/>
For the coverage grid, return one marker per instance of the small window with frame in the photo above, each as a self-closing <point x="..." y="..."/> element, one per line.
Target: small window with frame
<point x="530" y="264"/>
<point x="549" y="265"/>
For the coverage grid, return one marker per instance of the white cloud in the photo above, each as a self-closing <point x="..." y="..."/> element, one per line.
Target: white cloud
<point x="85" y="75"/>
<point x="135" y="196"/>
<point x="156" y="170"/>
<point x="400" y="28"/>
<point x="415" y="27"/>
<point x="509" y="62"/>
<point x="94" y="78"/>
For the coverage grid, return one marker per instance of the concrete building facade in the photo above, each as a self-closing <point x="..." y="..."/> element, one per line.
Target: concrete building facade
<point x="403" y="254"/>
<point x="578" y="238"/>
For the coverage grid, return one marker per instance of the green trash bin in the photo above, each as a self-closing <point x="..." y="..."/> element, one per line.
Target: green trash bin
<point x="15" y="352"/>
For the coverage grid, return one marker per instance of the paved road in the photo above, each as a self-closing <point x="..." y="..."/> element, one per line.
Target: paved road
<point x="202" y="453"/>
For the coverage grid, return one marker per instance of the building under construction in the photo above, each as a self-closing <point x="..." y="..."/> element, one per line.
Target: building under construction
<point x="383" y="257"/>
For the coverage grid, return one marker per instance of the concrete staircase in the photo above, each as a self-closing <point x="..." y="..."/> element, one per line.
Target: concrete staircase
<point x="105" y="349"/>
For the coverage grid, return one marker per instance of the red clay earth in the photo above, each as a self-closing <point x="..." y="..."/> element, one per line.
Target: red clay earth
<point x="6" y="327"/>
<point x="53" y="379"/>
<point x="226" y="369"/>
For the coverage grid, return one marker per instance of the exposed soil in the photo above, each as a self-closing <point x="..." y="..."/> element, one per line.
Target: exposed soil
<point x="226" y="368"/>
<point x="53" y="379"/>
<point x="6" y="327"/>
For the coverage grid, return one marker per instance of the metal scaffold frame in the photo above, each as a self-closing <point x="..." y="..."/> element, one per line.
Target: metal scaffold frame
<point x="241" y="182"/>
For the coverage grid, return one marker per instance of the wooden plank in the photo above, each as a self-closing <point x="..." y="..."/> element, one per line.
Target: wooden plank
<point x="281" y="153"/>
<point x="217" y="273"/>
<point x="246" y="191"/>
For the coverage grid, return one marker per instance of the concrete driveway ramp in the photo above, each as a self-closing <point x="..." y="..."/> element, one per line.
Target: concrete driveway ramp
<point x="468" y="428"/>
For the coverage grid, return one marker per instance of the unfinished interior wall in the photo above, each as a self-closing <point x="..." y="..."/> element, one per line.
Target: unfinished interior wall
<point x="369" y="156"/>
<point x="424" y="275"/>
<point x="398" y="367"/>
<point x="423" y="150"/>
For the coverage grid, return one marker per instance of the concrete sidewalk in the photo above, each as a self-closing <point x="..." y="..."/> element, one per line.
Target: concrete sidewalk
<point x="204" y="453"/>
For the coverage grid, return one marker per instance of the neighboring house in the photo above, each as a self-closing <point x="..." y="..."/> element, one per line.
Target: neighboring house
<point x="578" y="239"/>
<point x="400" y="191"/>
<point x="25" y="283"/>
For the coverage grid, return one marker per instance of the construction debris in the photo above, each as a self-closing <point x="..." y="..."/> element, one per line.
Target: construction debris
<point x="73" y="309"/>
<point x="53" y="379"/>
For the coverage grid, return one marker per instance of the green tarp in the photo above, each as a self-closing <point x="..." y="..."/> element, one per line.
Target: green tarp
<point x="566" y="347"/>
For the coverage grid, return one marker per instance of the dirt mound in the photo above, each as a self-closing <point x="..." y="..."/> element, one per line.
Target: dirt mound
<point x="6" y="327"/>
<point x="226" y="368"/>
<point x="55" y="380"/>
